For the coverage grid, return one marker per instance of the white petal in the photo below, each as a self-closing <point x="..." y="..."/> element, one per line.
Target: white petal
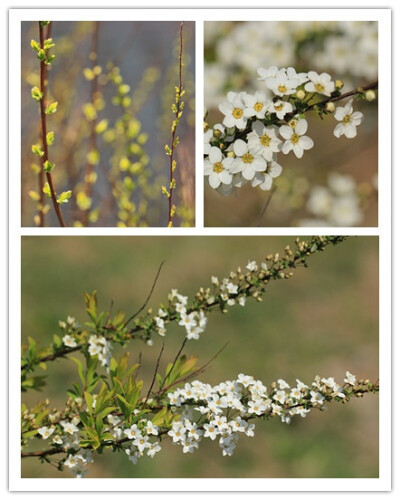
<point x="215" y="155"/>
<point x="248" y="172"/>
<point x="298" y="151"/>
<point x="339" y="129"/>
<point x="267" y="184"/>
<point x="301" y="127"/>
<point x="350" y="131"/>
<point x="306" y="142"/>
<point x="239" y="147"/>
<point x="274" y="169"/>
<point x="287" y="147"/>
<point x="236" y="166"/>
<point x="259" y="164"/>
<point x="214" y="180"/>
<point x="225" y="177"/>
<point x="286" y="131"/>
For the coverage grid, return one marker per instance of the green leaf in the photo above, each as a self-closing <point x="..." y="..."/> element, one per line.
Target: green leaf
<point x="50" y="59"/>
<point x="36" y="94"/>
<point x="50" y="138"/>
<point x="37" y="150"/>
<point x="64" y="197"/>
<point x="51" y="108"/>
<point x="35" y="46"/>
<point x="48" y="166"/>
<point x="89" y="402"/>
<point x="48" y="44"/>
<point x="80" y="369"/>
<point x="46" y="189"/>
<point x="41" y="54"/>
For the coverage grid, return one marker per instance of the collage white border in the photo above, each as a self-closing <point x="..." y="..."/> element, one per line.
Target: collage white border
<point x="383" y="16"/>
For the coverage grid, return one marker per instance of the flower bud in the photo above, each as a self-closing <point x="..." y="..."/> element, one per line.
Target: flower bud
<point x="300" y="94"/>
<point x="338" y="84"/>
<point x="330" y="107"/>
<point x="370" y="95"/>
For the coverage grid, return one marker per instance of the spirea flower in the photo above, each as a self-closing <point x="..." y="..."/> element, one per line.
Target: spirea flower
<point x="348" y="119"/>
<point x="217" y="168"/>
<point x="245" y="162"/>
<point x="296" y="141"/>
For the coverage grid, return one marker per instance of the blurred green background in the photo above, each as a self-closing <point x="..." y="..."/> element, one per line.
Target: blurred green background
<point x="322" y="321"/>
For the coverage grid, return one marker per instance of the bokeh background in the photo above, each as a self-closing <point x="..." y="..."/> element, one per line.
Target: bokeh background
<point x="346" y="50"/>
<point x="322" y="321"/>
<point x="146" y="54"/>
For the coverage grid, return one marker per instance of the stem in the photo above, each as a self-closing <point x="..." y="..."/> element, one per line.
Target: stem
<point x="45" y="157"/>
<point x="172" y="147"/>
<point x="93" y="135"/>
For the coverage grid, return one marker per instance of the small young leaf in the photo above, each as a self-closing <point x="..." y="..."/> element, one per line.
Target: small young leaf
<point x="51" y="108"/>
<point x="48" y="166"/>
<point x="37" y="150"/>
<point x="64" y="197"/>
<point x="36" y="94"/>
<point x="46" y="190"/>
<point x="50" y="138"/>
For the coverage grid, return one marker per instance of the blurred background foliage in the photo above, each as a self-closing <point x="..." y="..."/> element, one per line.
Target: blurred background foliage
<point x="323" y="321"/>
<point x="346" y="50"/>
<point x="135" y="69"/>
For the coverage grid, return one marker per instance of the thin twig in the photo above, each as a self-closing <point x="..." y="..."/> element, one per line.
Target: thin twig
<point x="45" y="157"/>
<point x="154" y="375"/>
<point x="178" y="111"/>
<point x="148" y="297"/>
<point x="264" y="209"/>
<point x="174" y="363"/>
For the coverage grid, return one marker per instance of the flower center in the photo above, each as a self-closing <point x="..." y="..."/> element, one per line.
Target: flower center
<point x="265" y="140"/>
<point x="218" y="167"/>
<point x="282" y="88"/>
<point x="319" y="87"/>
<point x="247" y="158"/>
<point x="347" y="119"/>
<point x="295" y="138"/>
<point x="237" y="113"/>
<point x="258" y="106"/>
<point x="278" y="107"/>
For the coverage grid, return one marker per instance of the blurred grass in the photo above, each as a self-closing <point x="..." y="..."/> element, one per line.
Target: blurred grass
<point x="322" y="321"/>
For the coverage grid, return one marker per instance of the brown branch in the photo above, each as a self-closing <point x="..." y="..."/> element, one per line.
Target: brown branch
<point x="45" y="157"/>
<point x="154" y="375"/>
<point x="172" y="148"/>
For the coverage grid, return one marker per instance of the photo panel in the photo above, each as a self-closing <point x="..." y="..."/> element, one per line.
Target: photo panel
<point x="291" y="131"/>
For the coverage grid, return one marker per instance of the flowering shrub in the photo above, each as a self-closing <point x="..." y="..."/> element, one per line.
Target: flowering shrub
<point x="94" y="161"/>
<point x="109" y="408"/>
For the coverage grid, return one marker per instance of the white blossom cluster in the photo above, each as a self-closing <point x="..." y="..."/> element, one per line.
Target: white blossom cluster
<point x="256" y="128"/>
<point x="337" y="204"/>
<point x="68" y="328"/>
<point x="99" y="346"/>
<point x="349" y="49"/>
<point x="223" y="411"/>
<point x="220" y="413"/>
<point x="194" y="322"/>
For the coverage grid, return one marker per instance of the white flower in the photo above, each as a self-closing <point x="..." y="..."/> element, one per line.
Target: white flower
<point x="69" y="427"/>
<point x="151" y="428"/>
<point x="282" y="85"/>
<point x="348" y="121"/>
<point x="232" y="288"/>
<point x="133" y="432"/>
<point x="207" y="138"/>
<point x="256" y="105"/>
<point x="346" y="211"/>
<point x="252" y="266"/>
<point x="153" y="448"/>
<point x="263" y="140"/>
<point x="322" y="84"/>
<point x="296" y="141"/>
<point x="216" y="167"/>
<point x="271" y="72"/>
<point x="350" y="378"/>
<point x="71" y="462"/>
<point x="45" y="432"/>
<point x="233" y="109"/>
<point x="245" y="162"/>
<point x="264" y="179"/>
<point x="280" y="108"/>
<point x="141" y="442"/>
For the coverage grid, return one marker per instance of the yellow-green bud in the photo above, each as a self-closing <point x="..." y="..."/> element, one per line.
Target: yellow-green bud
<point x="330" y="107"/>
<point x="339" y="84"/>
<point x="300" y="94"/>
<point x="370" y="95"/>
